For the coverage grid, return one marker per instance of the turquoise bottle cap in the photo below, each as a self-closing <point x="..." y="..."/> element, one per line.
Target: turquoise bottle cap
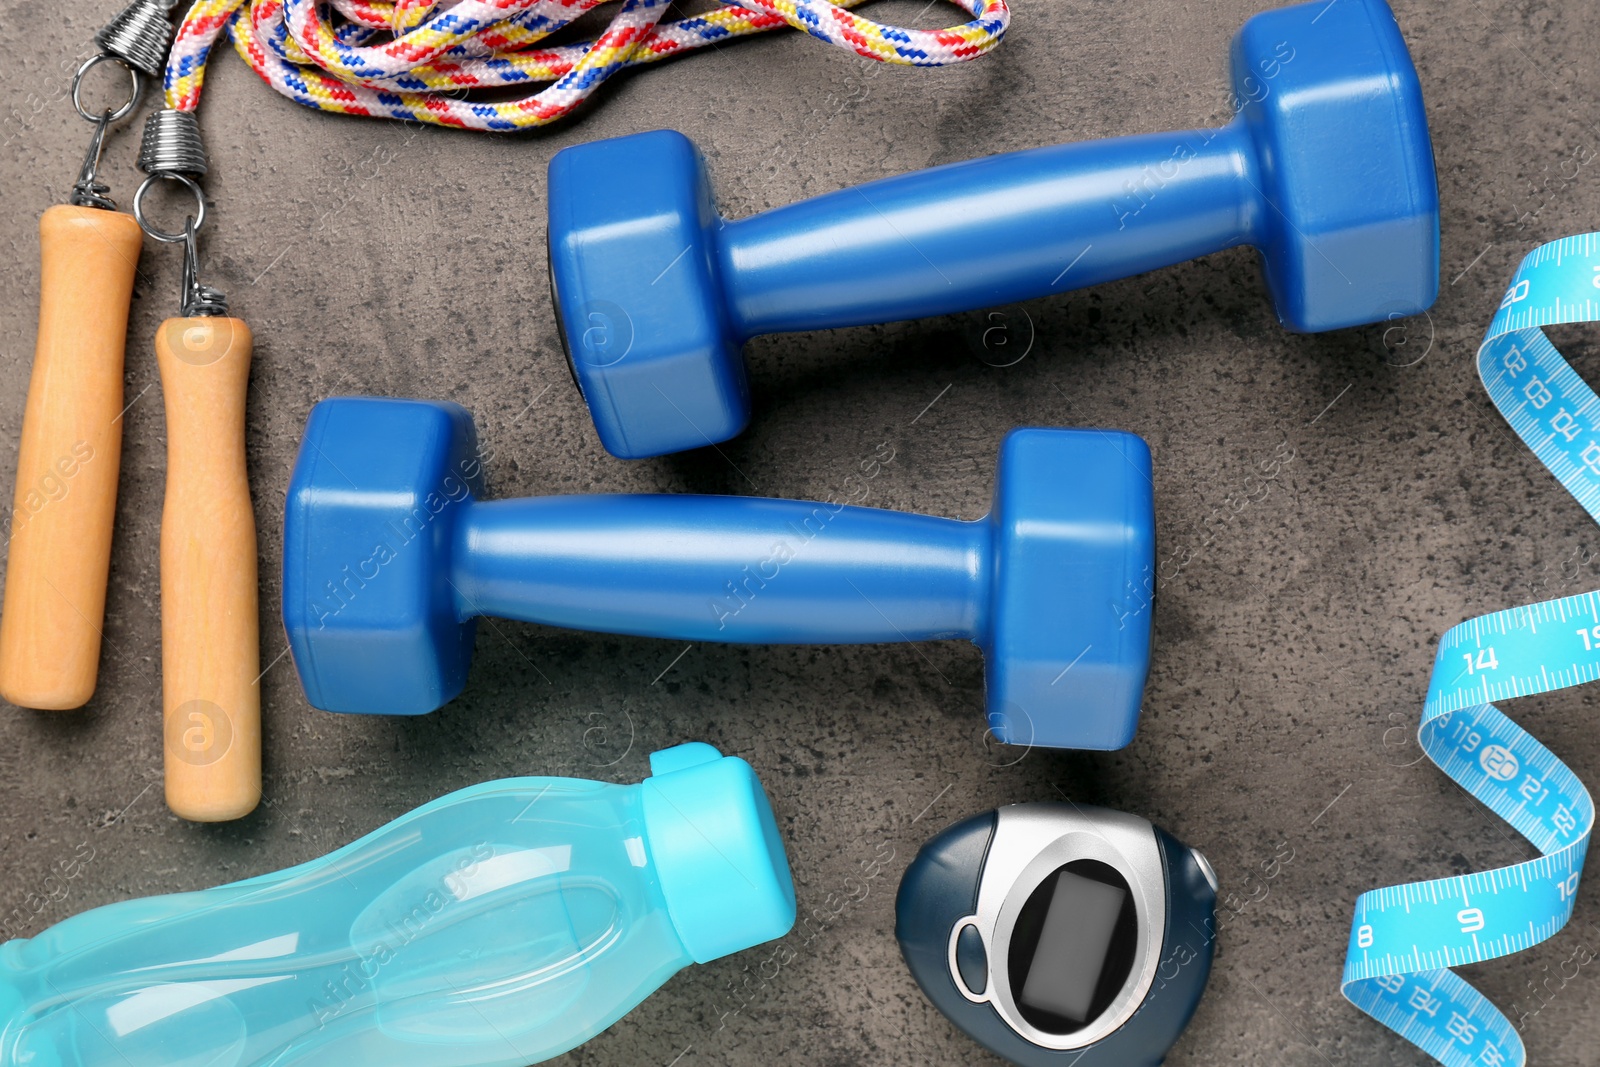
<point x="716" y="850"/>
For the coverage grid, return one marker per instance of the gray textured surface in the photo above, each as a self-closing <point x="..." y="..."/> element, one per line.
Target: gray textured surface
<point x="1292" y="649"/>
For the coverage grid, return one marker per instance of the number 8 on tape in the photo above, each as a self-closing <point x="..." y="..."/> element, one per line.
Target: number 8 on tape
<point x="1405" y="938"/>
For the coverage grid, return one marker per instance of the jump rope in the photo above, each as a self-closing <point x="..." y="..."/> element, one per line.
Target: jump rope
<point x="406" y="60"/>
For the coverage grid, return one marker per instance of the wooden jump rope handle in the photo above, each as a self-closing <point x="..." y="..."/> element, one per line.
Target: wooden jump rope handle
<point x="66" y="493"/>
<point x="210" y="639"/>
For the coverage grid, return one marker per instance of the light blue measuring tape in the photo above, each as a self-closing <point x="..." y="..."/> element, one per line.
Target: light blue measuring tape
<point x="1405" y="938"/>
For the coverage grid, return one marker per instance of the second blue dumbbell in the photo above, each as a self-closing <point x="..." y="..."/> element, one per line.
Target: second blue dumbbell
<point x="389" y="555"/>
<point x="1327" y="169"/>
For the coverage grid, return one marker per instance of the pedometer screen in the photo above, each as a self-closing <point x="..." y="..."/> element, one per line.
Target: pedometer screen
<point x="1072" y="946"/>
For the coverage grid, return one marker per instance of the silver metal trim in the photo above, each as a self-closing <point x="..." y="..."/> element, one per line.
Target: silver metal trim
<point x="195" y="221"/>
<point x="955" y="970"/>
<point x="1205" y="868"/>
<point x="123" y="110"/>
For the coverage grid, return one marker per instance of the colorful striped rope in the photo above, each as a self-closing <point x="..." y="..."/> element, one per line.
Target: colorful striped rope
<point x="411" y="59"/>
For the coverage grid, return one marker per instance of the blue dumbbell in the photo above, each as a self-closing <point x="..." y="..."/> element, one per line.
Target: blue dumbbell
<point x="1327" y="169"/>
<point x="389" y="555"/>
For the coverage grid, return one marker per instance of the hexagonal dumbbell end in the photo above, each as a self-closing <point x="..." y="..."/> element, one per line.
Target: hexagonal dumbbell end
<point x="388" y="556"/>
<point x="372" y="510"/>
<point x="638" y="301"/>
<point x="1074" y="588"/>
<point x="1327" y="168"/>
<point x="1347" y="213"/>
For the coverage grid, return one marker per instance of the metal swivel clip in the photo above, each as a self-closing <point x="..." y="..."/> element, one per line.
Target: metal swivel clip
<point x="89" y="190"/>
<point x="197" y="300"/>
<point x="137" y="40"/>
<point x="172" y="150"/>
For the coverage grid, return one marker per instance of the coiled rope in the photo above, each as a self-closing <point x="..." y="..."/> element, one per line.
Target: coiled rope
<point x="410" y="59"/>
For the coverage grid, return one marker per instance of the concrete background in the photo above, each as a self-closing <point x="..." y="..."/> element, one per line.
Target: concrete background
<point x="1292" y="650"/>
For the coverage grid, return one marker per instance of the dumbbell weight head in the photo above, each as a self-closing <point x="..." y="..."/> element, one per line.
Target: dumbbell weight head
<point x="368" y="532"/>
<point x="1074" y="589"/>
<point x="1348" y="224"/>
<point x="638" y="296"/>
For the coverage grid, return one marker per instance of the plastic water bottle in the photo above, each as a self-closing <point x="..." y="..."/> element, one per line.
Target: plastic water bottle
<point x="495" y="927"/>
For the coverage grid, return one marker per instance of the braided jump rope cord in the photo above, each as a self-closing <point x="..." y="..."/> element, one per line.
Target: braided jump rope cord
<point x="321" y="55"/>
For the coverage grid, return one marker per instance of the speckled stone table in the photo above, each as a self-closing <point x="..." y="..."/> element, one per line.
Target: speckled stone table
<point x="1327" y="507"/>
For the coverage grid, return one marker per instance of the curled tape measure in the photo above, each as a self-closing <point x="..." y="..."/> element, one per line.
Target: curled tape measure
<point x="1404" y="938"/>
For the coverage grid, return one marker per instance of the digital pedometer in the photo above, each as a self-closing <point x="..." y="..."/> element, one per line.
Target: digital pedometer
<point x="1056" y="934"/>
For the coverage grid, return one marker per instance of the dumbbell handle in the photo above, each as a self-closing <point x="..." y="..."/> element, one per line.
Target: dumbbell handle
<point x="729" y="569"/>
<point x="991" y="231"/>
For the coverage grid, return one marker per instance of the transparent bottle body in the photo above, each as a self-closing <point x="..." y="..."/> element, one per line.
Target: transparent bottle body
<point x="495" y="927"/>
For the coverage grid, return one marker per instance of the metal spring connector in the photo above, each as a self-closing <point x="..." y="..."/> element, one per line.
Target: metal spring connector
<point x="140" y="36"/>
<point x="90" y="191"/>
<point x="172" y="144"/>
<point x="198" y="300"/>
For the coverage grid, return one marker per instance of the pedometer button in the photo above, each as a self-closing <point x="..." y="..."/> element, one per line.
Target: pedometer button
<point x="972" y="961"/>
